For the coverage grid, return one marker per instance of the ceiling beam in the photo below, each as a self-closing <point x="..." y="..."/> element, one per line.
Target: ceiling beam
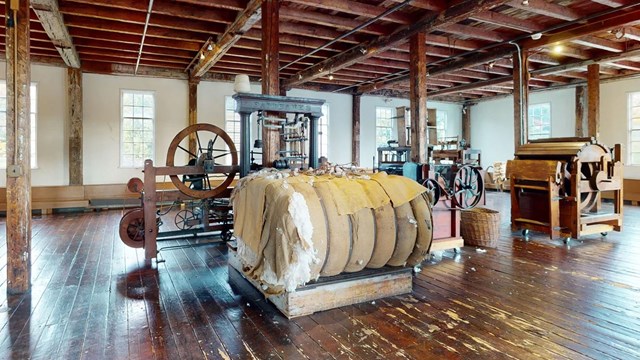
<point x="473" y="32"/>
<point x="600" y="43"/>
<point x="496" y="18"/>
<point x="580" y="29"/>
<point x="471" y="86"/>
<point x="631" y="33"/>
<point x="244" y="21"/>
<point x="611" y="3"/>
<point x="53" y="23"/>
<point x="355" y="8"/>
<point x="628" y="65"/>
<point x="545" y="8"/>
<point x="430" y="21"/>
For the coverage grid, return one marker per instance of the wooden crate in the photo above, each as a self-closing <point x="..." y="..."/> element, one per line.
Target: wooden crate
<point x="332" y="292"/>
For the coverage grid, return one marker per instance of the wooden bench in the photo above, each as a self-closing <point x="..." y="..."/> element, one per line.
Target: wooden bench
<point x="47" y="198"/>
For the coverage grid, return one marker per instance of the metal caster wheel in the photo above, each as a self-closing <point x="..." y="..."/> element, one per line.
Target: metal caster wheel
<point x="457" y="250"/>
<point x="604" y="233"/>
<point x="525" y="235"/>
<point x="566" y="240"/>
<point x="225" y="235"/>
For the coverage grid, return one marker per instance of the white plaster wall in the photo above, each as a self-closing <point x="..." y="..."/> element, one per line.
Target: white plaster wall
<point x="614" y="118"/>
<point x="492" y="123"/>
<point x="340" y="107"/>
<point x="51" y="137"/>
<point x="101" y="108"/>
<point x="368" y="122"/>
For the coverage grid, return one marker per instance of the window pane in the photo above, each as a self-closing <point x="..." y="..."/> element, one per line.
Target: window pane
<point x="539" y="120"/>
<point x="127" y="99"/>
<point x="137" y="135"/>
<point x="127" y="111"/>
<point x="147" y="112"/>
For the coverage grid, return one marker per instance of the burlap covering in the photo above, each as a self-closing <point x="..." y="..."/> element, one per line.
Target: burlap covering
<point x="293" y="229"/>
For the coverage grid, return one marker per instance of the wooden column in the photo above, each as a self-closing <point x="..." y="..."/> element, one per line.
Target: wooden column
<point x="74" y="87"/>
<point x="581" y="102"/>
<point x="401" y="124"/>
<point x="193" y="111"/>
<point x="18" y="120"/>
<point x="520" y="99"/>
<point x="466" y="124"/>
<point x="270" y="74"/>
<point x="355" y="129"/>
<point x="593" y="103"/>
<point x="418" y="98"/>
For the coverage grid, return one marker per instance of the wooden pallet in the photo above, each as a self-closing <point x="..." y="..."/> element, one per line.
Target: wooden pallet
<point x="332" y="292"/>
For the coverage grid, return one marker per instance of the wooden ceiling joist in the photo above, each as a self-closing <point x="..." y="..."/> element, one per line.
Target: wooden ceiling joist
<point x="600" y="43"/>
<point x="244" y="21"/>
<point x="430" y="21"/>
<point x="496" y="18"/>
<point x="51" y="20"/>
<point x="543" y="7"/>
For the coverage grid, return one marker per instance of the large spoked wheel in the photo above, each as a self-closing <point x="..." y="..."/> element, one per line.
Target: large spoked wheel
<point x="467" y="187"/>
<point x="434" y="189"/>
<point x="185" y="219"/>
<point x="132" y="228"/>
<point x="212" y="145"/>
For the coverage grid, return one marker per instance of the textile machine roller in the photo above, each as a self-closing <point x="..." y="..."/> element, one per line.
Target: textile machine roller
<point x="203" y="184"/>
<point x="556" y="187"/>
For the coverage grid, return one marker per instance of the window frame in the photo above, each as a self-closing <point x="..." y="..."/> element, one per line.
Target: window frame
<point x="390" y="127"/>
<point x="441" y="131"/>
<point x="234" y="135"/>
<point x="631" y="129"/>
<point x="323" y="136"/>
<point x="33" y="122"/>
<point x="533" y="107"/>
<point x="121" y="135"/>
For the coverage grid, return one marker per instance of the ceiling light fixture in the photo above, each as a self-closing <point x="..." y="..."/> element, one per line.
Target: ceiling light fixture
<point x="536" y="36"/>
<point x="330" y="76"/>
<point x="209" y="47"/>
<point x="492" y="64"/>
<point x="201" y="56"/>
<point x="525" y="2"/>
<point x="558" y="49"/>
<point x="618" y="33"/>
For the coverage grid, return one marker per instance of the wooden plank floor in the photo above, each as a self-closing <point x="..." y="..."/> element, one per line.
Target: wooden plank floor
<point x="92" y="298"/>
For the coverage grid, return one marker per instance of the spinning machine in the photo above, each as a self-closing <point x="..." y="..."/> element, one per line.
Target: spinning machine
<point x="462" y="191"/>
<point x="202" y="180"/>
<point x="557" y="184"/>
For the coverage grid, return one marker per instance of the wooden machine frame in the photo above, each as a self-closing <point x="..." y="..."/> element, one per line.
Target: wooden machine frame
<point x="557" y="186"/>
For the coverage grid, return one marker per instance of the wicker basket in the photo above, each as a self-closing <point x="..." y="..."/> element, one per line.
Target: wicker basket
<point x="480" y="227"/>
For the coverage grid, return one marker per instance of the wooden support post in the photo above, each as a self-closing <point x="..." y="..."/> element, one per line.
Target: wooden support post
<point x="418" y="98"/>
<point x="150" y="207"/>
<point x="355" y="129"/>
<point x="593" y="93"/>
<point x="74" y="83"/>
<point x="18" y="121"/>
<point x="270" y="74"/>
<point x="520" y="98"/>
<point x="401" y="124"/>
<point x="581" y="101"/>
<point x="466" y="124"/>
<point x="193" y="111"/>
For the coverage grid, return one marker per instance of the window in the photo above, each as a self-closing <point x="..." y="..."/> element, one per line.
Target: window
<point x="3" y="124"/>
<point x="384" y="125"/>
<point x="232" y="124"/>
<point x="323" y="132"/>
<point x="634" y="128"/>
<point x="441" y="124"/>
<point x="137" y="130"/>
<point x="539" y="121"/>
